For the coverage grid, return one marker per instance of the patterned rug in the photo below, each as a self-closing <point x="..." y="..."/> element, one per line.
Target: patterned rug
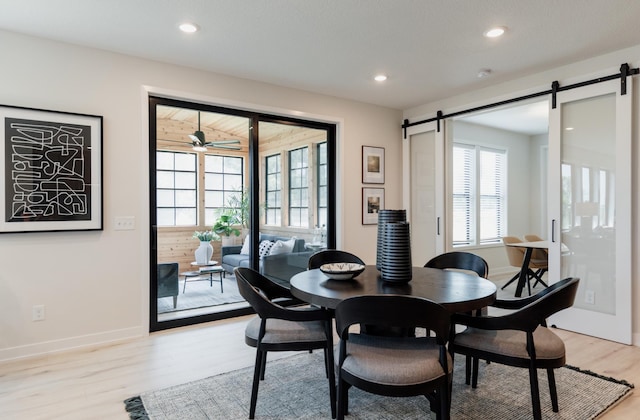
<point x="200" y="294"/>
<point x="296" y="388"/>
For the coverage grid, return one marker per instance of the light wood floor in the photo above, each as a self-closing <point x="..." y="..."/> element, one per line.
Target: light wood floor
<point x="91" y="384"/>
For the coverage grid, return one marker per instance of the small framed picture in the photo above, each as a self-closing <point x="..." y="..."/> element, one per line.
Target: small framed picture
<point x="372" y="165"/>
<point x="51" y="163"/>
<point x="372" y="203"/>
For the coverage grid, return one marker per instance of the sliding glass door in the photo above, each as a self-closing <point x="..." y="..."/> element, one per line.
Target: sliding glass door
<point x="590" y="207"/>
<point x="224" y="181"/>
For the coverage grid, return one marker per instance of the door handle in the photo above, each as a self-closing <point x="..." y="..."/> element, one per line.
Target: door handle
<point x="553" y="230"/>
<point x="438" y="226"/>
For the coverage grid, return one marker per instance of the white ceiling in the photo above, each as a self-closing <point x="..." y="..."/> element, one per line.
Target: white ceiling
<point x="430" y="49"/>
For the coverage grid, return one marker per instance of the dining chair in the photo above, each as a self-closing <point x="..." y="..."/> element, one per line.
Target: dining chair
<point x="463" y="261"/>
<point x="328" y="256"/>
<point x="516" y="257"/>
<point x="520" y="338"/>
<point x="539" y="260"/>
<point x="391" y="365"/>
<point x="278" y="328"/>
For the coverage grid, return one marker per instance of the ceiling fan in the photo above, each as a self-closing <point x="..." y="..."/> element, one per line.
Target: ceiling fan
<point x="199" y="144"/>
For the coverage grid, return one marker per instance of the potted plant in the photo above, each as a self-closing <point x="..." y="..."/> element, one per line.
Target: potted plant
<point x="204" y="252"/>
<point x="224" y="227"/>
<point x="238" y="203"/>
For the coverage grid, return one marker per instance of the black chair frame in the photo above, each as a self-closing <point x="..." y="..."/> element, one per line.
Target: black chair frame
<point x="395" y="311"/>
<point x="529" y="313"/>
<point x="260" y="292"/>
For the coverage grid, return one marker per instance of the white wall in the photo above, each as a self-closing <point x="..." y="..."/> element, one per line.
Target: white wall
<point x="94" y="285"/>
<point x="588" y="69"/>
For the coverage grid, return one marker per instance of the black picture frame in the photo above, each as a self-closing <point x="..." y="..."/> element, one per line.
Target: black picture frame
<point x="51" y="162"/>
<point x="372" y="203"/>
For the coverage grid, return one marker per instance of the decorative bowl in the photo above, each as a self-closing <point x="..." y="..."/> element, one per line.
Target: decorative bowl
<point x="342" y="271"/>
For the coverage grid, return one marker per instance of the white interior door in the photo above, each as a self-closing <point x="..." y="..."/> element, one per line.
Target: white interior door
<point x="590" y="208"/>
<point x="423" y="153"/>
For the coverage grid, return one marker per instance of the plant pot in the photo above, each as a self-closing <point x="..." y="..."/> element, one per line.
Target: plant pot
<point x="204" y="253"/>
<point x="227" y="240"/>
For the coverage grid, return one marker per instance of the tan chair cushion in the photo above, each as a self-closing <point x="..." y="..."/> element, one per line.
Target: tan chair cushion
<point x="393" y="361"/>
<point x="280" y="331"/>
<point x="513" y="343"/>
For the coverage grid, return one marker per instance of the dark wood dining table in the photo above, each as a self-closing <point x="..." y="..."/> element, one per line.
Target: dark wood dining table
<point x="455" y="290"/>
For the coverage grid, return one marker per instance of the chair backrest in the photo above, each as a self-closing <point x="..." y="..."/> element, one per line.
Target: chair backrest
<point x="328" y="256"/>
<point x="515" y="255"/>
<point x="537" y="254"/>
<point x="393" y="311"/>
<point x="460" y="261"/>
<point x="553" y="299"/>
<point x="259" y="291"/>
<point x="167" y="279"/>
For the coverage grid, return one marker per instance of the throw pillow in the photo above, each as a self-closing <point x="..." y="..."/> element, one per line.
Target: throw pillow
<point x="283" y="247"/>
<point x="245" y="246"/>
<point x="265" y="248"/>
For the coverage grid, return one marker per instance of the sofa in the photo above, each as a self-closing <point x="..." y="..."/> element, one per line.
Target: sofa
<point x="279" y="268"/>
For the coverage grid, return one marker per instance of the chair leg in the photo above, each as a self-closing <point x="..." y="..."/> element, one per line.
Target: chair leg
<point x="256" y="381"/>
<point x="552" y="390"/>
<point x="343" y="396"/>
<point x="263" y="365"/>
<point x="474" y="375"/>
<point x="514" y="278"/>
<point x="535" y="393"/>
<point x="467" y="370"/>
<point x="332" y="381"/>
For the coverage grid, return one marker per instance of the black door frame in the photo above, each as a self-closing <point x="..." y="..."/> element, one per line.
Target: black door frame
<point x="254" y="179"/>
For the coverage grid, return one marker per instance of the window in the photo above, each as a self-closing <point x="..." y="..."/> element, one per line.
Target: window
<point x="176" y="180"/>
<point x="273" y="189"/>
<point x="298" y="187"/>
<point x="322" y="192"/>
<point x="223" y="181"/>
<point x="479" y="195"/>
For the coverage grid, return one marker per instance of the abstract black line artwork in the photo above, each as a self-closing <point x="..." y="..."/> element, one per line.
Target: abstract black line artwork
<point x="52" y="171"/>
<point x="48" y="177"/>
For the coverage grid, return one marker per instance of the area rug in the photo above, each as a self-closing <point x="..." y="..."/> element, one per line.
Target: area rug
<point x="296" y="388"/>
<point x="200" y="294"/>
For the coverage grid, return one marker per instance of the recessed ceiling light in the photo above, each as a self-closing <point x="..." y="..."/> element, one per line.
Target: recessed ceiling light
<point x="495" y="32"/>
<point x="188" y="27"/>
<point x="483" y="73"/>
<point x="380" y="78"/>
<point x="569" y="128"/>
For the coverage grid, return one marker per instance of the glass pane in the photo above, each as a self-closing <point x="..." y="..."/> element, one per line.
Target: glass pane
<point x="212" y="163"/>
<point x="186" y="180"/>
<point x="232" y="165"/>
<point x="185" y="162"/>
<point x="164" y="160"/>
<point x="233" y="182"/>
<point x="588" y="151"/>
<point x="209" y="217"/>
<point x="186" y="217"/>
<point x="214" y="199"/>
<point x="164" y="179"/>
<point x="166" y="217"/>
<point x="213" y="181"/>
<point x="164" y="198"/>
<point x="185" y="198"/>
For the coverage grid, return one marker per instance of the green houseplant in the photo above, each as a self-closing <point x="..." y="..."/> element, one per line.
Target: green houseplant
<point x="224" y="226"/>
<point x="205" y="236"/>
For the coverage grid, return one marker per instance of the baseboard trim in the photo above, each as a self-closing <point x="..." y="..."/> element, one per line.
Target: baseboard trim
<point x="72" y="343"/>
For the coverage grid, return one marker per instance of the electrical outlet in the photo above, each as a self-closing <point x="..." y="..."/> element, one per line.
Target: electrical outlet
<point x="37" y="313"/>
<point x="590" y="297"/>
<point x="125" y="223"/>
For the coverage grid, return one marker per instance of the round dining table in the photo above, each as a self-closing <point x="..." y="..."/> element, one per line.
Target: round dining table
<point x="455" y="290"/>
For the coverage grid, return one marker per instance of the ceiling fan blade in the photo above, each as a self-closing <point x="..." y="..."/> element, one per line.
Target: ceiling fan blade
<point x="224" y="146"/>
<point x="216" y="142"/>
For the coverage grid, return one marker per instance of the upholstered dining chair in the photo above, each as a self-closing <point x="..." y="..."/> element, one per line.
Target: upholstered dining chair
<point x="539" y="260"/>
<point x="328" y="256"/>
<point x="278" y="328"/>
<point x="520" y="338"/>
<point x="391" y="365"/>
<point x="469" y="262"/>
<point x="516" y="257"/>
